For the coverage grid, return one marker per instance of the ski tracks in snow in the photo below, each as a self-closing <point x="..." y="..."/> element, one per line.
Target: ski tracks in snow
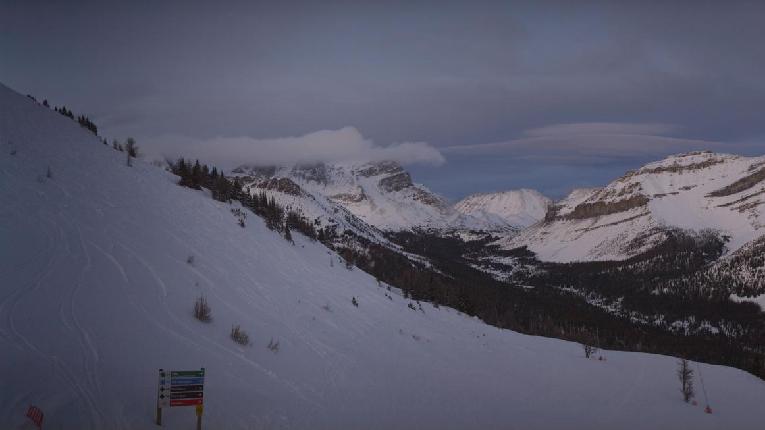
<point x="191" y="332"/>
<point x="53" y="259"/>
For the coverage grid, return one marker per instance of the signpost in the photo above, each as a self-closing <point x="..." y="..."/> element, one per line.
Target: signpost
<point x="181" y="388"/>
<point x="200" y="409"/>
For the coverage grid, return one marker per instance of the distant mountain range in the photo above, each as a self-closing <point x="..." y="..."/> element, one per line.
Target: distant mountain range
<point x="382" y="194"/>
<point x="708" y="204"/>
<point x="696" y="192"/>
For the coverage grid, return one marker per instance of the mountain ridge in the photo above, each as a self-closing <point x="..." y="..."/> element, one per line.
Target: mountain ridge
<point x="694" y="191"/>
<point x="511" y="208"/>
<point x="383" y="194"/>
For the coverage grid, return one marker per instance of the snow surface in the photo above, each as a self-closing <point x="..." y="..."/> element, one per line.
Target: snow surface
<point x="96" y="295"/>
<point x="759" y="300"/>
<point x="677" y="190"/>
<point x="514" y="208"/>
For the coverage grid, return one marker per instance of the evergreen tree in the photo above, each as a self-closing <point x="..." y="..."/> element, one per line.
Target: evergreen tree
<point x="287" y="234"/>
<point x="196" y="176"/>
<point x="685" y="375"/>
<point x="131" y="147"/>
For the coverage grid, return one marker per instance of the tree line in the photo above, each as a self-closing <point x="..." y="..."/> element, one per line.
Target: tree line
<point x="198" y="175"/>
<point x="83" y="120"/>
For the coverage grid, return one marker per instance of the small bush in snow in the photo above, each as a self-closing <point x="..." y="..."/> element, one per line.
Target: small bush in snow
<point x="239" y="336"/>
<point x="589" y="350"/>
<point x="131" y="148"/>
<point x="273" y="346"/>
<point x="202" y="310"/>
<point x="287" y="234"/>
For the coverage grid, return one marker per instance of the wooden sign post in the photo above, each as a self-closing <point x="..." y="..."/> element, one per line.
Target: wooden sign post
<point x="200" y="409"/>
<point x="181" y="388"/>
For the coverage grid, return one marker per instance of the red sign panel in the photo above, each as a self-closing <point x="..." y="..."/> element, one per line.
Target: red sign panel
<point x="35" y="414"/>
<point x="186" y="402"/>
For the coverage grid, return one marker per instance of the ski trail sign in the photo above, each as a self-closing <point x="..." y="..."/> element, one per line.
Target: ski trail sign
<point x="179" y="388"/>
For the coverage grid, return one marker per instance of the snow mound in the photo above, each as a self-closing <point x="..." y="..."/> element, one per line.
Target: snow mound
<point x="507" y="209"/>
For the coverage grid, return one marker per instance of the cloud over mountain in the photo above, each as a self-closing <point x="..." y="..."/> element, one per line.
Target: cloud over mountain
<point x="345" y="144"/>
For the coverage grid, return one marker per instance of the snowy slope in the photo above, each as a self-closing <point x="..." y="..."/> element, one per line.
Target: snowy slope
<point x="315" y="207"/>
<point x="381" y="194"/>
<point x="96" y="294"/>
<point x="695" y="191"/>
<point x="507" y="209"/>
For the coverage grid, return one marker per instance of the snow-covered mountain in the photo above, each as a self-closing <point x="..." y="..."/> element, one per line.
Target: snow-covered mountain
<point x="507" y="209"/>
<point x="381" y="194"/>
<point x="100" y="264"/>
<point x="695" y="192"/>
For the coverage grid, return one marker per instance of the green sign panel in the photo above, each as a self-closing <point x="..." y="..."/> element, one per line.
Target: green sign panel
<point x="187" y="373"/>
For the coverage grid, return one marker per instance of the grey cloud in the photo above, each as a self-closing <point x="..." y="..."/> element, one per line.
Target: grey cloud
<point x="587" y="142"/>
<point x="343" y="145"/>
<point x="600" y="128"/>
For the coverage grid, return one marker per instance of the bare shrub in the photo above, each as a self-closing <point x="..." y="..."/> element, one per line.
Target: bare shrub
<point x="202" y="310"/>
<point x="239" y="336"/>
<point x="273" y="346"/>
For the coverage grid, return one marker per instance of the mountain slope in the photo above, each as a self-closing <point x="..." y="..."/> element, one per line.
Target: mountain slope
<point x="96" y="291"/>
<point x="508" y="209"/>
<point x="695" y="192"/>
<point x="380" y="194"/>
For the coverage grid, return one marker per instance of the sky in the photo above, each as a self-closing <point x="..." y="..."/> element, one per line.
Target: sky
<point x="470" y="96"/>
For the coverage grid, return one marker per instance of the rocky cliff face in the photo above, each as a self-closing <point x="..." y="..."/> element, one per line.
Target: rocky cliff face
<point x="381" y="194"/>
<point x="696" y="191"/>
<point x="282" y="185"/>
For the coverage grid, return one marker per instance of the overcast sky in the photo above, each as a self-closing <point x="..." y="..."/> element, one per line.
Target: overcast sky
<point x="472" y="96"/>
